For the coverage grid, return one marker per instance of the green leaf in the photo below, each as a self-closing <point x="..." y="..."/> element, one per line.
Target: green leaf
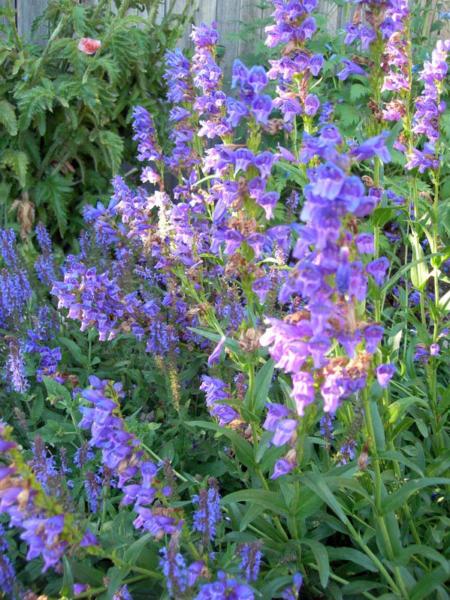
<point x="115" y="577"/>
<point x="404" y="557"/>
<point x="18" y="162"/>
<point x="400" y="458"/>
<point x="358" y="91"/>
<point x="34" y="102"/>
<point x="112" y="147"/>
<point x="252" y="513"/>
<point x="378" y="426"/>
<point x="419" y="271"/>
<point x="215" y="337"/>
<point x="57" y="389"/>
<point x="67" y="584"/>
<point x="397" y="409"/>
<point x="354" y="556"/>
<point x="243" y="449"/>
<point x="55" y="192"/>
<point x="318" y="485"/>
<point x="8" y="117"/>
<point x="271" y="501"/>
<point x="74" y="350"/>
<point x="399" y="498"/>
<point x="261" y="388"/>
<point x="132" y="553"/>
<point x="321" y="556"/>
<point x="428" y="583"/>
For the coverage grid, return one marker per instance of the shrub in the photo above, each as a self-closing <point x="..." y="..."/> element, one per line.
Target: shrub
<point x="65" y="113"/>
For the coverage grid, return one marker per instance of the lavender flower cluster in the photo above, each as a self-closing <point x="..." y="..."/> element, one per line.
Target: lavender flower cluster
<point x="45" y="528"/>
<point x="332" y="280"/>
<point x="27" y="331"/>
<point x="429" y="108"/>
<point x="136" y="476"/>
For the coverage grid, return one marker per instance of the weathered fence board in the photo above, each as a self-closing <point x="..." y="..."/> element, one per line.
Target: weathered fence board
<point x="27" y="12"/>
<point x="229" y="14"/>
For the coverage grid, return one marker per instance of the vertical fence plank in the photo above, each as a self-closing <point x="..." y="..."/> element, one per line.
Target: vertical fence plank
<point x="3" y="4"/>
<point x="207" y="11"/>
<point x="27" y="12"/>
<point x="228" y="18"/>
<point x="250" y="12"/>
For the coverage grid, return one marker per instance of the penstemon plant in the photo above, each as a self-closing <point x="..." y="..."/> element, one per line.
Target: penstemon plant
<point x="235" y="404"/>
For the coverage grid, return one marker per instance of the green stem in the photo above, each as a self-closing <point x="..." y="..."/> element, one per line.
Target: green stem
<point x="378" y="483"/>
<point x="276" y="519"/>
<point x="159" y="459"/>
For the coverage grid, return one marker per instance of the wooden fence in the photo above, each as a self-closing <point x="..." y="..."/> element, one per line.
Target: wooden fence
<point x="230" y="15"/>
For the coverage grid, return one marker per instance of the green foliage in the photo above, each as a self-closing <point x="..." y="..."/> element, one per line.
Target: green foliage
<point x="65" y="116"/>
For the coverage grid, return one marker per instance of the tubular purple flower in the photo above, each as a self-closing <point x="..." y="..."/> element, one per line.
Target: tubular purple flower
<point x="385" y="374"/>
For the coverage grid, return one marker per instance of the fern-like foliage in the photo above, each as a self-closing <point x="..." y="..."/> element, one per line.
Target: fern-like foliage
<point x="65" y="116"/>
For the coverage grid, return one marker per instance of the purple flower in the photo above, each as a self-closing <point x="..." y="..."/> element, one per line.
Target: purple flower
<point x="365" y="243"/>
<point x="225" y="588"/>
<point x="373" y="334"/>
<point x="7" y="572"/>
<point x="257" y="79"/>
<point x="217" y="352"/>
<point x="435" y="349"/>
<point x="15" y="367"/>
<point x="261" y="108"/>
<point x="275" y="412"/>
<point x="145" y="135"/>
<point x="283" y="466"/>
<point x="284" y="431"/>
<point x="347" y="452"/>
<point x="375" y="146"/>
<point x="243" y="158"/>
<point x="292" y="592"/>
<point x="45" y="264"/>
<point x="350" y="68"/>
<point x="312" y="105"/>
<point x="385" y="374"/>
<point x="378" y="269"/>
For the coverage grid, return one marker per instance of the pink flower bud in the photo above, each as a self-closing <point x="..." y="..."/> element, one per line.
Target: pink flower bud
<point x="88" y="45"/>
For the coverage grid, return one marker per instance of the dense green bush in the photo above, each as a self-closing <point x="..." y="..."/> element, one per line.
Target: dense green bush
<point x="64" y="115"/>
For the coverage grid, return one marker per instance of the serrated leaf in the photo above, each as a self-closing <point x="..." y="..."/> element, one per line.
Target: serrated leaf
<point x="112" y="147"/>
<point x="55" y="192"/>
<point x="57" y="389"/>
<point x="18" y="162"/>
<point x="8" y="117"/>
<point x="358" y="91"/>
<point x="37" y="100"/>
